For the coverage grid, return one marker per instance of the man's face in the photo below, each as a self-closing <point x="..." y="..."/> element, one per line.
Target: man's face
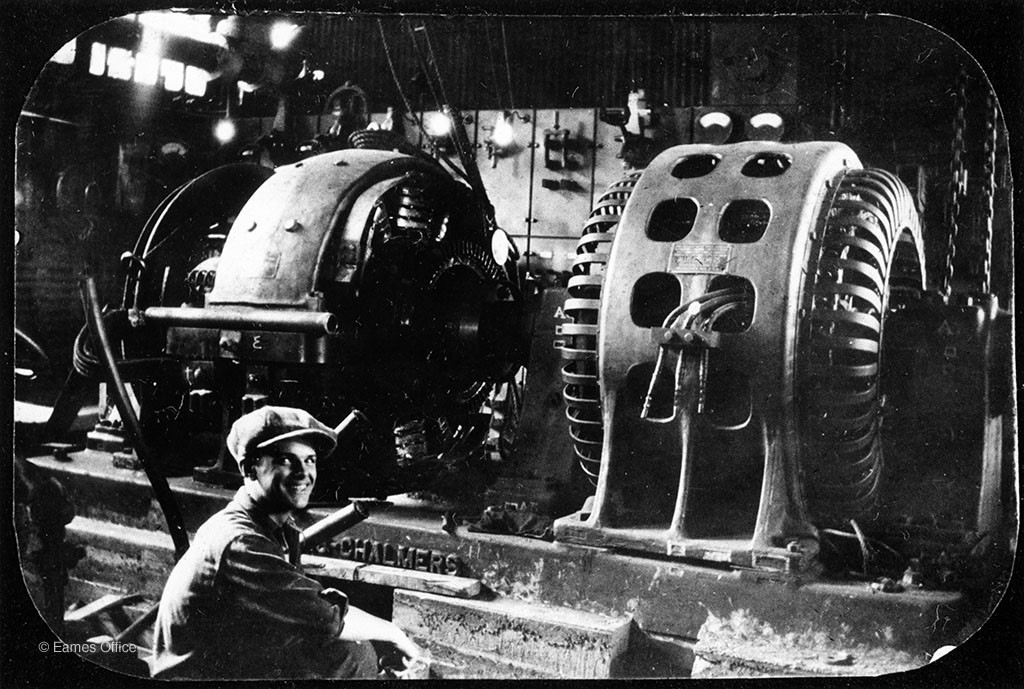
<point x="285" y="474"/>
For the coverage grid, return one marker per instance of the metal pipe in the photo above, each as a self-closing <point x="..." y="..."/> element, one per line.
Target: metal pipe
<point x="350" y="422"/>
<point x="328" y="527"/>
<point x="245" y="318"/>
<point x="161" y="490"/>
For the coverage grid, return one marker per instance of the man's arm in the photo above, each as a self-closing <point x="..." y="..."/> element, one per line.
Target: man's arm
<point x="267" y="584"/>
<point x="362" y="626"/>
<point x="297" y="604"/>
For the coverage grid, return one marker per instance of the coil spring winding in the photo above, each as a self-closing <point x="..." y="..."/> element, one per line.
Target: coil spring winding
<point x="579" y="373"/>
<point x="417" y="218"/>
<point x="411" y="443"/>
<point x="381" y="140"/>
<point x="868" y="255"/>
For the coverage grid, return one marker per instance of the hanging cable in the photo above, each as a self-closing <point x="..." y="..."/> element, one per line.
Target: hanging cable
<point x="398" y="84"/>
<point x="423" y="64"/>
<point x="989" y="187"/>
<point x="508" y="68"/>
<point x="957" y="181"/>
<point x="405" y="100"/>
<point x="490" y="59"/>
<point x="433" y="61"/>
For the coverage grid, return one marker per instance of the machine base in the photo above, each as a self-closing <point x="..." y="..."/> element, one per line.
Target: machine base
<point x="735" y="552"/>
<point x="655" y="610"/>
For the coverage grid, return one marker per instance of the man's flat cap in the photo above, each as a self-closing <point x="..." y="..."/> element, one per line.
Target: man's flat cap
<point x="265" y="426"/>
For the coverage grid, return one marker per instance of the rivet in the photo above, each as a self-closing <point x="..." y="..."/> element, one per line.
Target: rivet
<point x="292" y="225"/>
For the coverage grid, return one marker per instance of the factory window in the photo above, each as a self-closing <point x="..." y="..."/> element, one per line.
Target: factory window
<point x="737" y="313"/>
<point x="654" y="297"/>
<point x="695" y="166"/>
<point x="767" y="164"/>
<point x="195" y="80"/>
<point x="744" y="221"/>
<point x="173" y="73"/>
<point x="120" y="63"/>
<point x="672" y="220"/>
<point x="147" y="68"/>
<point x="98" y="59"/>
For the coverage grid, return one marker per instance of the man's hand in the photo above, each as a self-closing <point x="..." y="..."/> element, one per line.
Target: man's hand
<point x="409" y="649"/>
<point x="362" y="626"/>
<point x="337" y="598"/>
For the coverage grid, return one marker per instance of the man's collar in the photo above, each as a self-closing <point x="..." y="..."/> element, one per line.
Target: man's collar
<point x="259" y="513"/>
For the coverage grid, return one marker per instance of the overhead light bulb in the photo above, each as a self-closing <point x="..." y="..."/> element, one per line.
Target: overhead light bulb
<point x="282" y="34"/>
<point x="503" y="134"/>
<point x="715" y="119"/>
<point x="437" y="124"/>
<point x="225" y="131"/>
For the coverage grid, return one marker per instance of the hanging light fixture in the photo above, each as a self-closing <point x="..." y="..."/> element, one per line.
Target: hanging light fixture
<point x="282" y="34"/>
<point x="225" y="131"/>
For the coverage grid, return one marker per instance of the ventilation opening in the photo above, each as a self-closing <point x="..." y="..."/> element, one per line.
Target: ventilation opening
<point x="724" y="490"/>
<point x="654" y="296"/>
<point x="695" y="166"/>
<point x="728" y="405"/>
<point x="736" y="313"/>
<point x="744" y="221"/>
<point x="672" y="220"/>
<point x="644" y="466"/>
<point x="767" y="165"/>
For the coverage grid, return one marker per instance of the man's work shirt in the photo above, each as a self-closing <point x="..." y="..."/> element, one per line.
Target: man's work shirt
<point x="234" y="606"/>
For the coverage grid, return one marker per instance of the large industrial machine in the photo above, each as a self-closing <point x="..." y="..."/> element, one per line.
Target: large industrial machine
<point x="768" y="398"/>
<point x="361" y="279"/>
<point x="739" y="341"/>
<point x="754" y="367"/>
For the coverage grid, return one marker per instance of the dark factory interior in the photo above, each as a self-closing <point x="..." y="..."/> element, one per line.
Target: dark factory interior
<point x="660" y="346"/>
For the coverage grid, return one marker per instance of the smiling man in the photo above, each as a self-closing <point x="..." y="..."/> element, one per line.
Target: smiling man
<point x="237" y="605"/>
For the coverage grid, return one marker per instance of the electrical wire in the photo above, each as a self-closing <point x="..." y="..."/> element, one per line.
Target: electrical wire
<point x="508" y="68"/>
<point x="711" y="306"/>
<point x="490" y="59"/>
<point x="161" y="489"/>
<point x="433" y="60"/>
<point x="423" y="65"/>
<point x="398" y="84"/>
<point x="405" y="101"/>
